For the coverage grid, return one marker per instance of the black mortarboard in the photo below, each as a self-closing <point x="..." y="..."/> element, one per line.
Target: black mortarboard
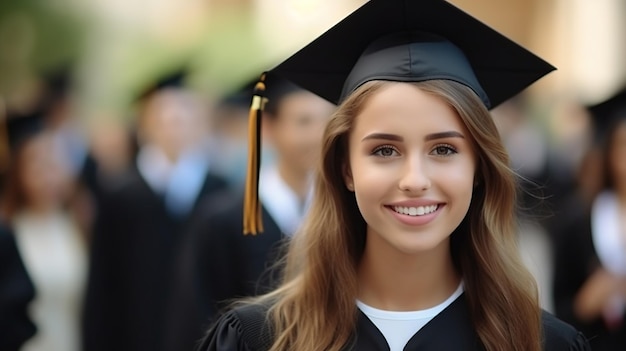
<point x="239" y="97"/>
<point x="172" y="79"/>
<point x="20" y="128"/>
<point x="277" y="89"/>
<point x="407" y="41"/>
<point x="607" y="113"/>
<point x="58" y="81"/>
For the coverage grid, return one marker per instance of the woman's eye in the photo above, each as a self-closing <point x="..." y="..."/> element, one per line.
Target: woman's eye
<point x="385" y="151"/>
<point x="443" y="150"/>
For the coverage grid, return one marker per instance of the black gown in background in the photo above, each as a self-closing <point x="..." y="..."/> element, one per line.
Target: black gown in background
<point x="218" y="264"/>
<point x="246" y="329"/>
<point x="134" y="246"/>
<point x="575" y="261"/>
<point x="16" y="292"/>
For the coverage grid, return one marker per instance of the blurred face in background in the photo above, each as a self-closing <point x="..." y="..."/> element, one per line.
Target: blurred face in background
<point x="173" y="120"/>
<point x="44" y="169"/>
<point x="617" y="156"/>
<point x="296" y="130"/>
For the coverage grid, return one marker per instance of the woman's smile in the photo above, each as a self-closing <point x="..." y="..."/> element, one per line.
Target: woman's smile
<point x="415" y="216"/>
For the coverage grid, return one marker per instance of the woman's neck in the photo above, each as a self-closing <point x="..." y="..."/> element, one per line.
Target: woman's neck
<point x="399" y="282"/>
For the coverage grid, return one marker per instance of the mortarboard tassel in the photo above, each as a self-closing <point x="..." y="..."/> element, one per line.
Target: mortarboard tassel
<point x="252" y="223"/>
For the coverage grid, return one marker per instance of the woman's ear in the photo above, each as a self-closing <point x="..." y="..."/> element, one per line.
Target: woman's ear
<point x="347" y="177"/>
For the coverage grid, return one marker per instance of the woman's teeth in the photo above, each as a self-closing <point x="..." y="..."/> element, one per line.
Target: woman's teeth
<point x="415" y="211"/>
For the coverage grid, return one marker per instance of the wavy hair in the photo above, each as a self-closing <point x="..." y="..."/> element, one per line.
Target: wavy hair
<point x="314" y="307"/>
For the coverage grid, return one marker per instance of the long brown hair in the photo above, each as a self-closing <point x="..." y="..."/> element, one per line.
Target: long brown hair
<point x="314" y="308"/>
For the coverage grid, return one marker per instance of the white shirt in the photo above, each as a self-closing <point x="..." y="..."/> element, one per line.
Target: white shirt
<point x="609" y="238"/>
<point x="179" y="182"/>
<point x="56" y="261"/>
<point x="399" y="327"/>
<point x="282" y="203"/>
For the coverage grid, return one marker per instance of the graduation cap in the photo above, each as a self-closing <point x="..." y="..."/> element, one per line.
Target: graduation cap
<point x="404" y="41"/>
<point x="58" y="82"/>
<point x="277" y="89"/>
<point x="607" y="113"/>
<point x="22" y="127"/>
<point x="172" y="79"/>
<point x="240" y="97"/>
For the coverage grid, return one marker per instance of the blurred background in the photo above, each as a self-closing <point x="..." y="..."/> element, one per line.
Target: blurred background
<point x="113" y="49"/>
<point x="82" y="72"/>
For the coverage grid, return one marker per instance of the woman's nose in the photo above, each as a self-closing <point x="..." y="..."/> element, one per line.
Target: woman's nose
<point x="414" y="178"/>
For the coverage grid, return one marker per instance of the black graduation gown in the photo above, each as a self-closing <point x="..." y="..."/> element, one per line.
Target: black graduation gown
<point x="575" y="261"/>
<point x="245" y="329"/>
<point x="135" y="241"/>
<point x="217" y="265"/>
<point x="16" y="292"/>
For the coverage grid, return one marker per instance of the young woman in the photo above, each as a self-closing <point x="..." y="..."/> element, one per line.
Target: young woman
<point x="37" y="204"/>
<point x="409" y="243"/>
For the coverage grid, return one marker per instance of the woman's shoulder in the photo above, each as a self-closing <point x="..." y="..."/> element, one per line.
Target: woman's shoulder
<point x="560" y="336"/>
<point x="243" y="328"/>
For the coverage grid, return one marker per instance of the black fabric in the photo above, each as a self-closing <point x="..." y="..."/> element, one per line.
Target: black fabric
<point x="22" y="127"/>
<point x="450" y="330"/>
<point x="218" y="264"/>
<point x="16" y="292"/>
<point x="413" y="57"/>
<point x="171" y="80"/>
<point x="135" y="243"/>
<point x="502" y="67"/>
<point x="607" y="113"/>
<point x="575" y="261"/>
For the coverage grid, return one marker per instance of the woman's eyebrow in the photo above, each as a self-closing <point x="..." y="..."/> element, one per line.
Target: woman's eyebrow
<point x="383" y="136"/>
<point x="443" y="135"/>
<point x="429" y="137"/>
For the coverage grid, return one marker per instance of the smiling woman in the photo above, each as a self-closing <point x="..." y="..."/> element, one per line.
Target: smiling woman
<point x="409" y="243"/>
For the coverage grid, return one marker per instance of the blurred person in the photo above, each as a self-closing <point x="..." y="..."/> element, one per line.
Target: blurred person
<point x="219" y="262"/>
<point x="36" y="203"/>
<point x="112" y="151"/>
<point x="142" y="218"/>
<point x="16" y="293"/>
<point x="55" y="104"/>
<point x="590" y="263"/>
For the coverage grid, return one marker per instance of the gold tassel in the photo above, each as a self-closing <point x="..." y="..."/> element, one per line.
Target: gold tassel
<point x="252" y="222"/>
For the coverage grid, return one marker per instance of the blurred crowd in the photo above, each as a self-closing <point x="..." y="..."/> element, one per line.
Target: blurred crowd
<point x="107" y="231"/>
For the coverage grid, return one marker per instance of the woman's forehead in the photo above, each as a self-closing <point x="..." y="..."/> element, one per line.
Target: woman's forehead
<point x="406" y="107"/>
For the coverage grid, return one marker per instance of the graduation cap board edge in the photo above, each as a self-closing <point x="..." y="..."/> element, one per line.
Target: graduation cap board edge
<point x="397" y="40"/>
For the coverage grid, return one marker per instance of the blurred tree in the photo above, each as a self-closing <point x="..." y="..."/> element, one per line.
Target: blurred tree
<point x="35" y="38"/>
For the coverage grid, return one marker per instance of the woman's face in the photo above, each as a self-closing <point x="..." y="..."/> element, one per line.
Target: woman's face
<point x="411" y="167"/>
<point x="45" y="172"/>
